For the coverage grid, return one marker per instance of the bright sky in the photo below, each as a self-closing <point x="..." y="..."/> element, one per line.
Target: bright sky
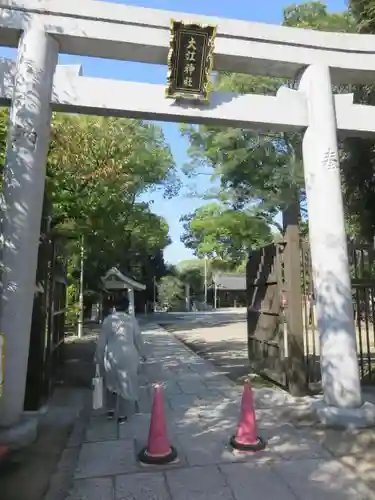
<point x="268" y="11"/>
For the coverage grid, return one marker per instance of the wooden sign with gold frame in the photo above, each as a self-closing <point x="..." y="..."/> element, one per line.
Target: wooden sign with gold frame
<point x="190" y="61"/>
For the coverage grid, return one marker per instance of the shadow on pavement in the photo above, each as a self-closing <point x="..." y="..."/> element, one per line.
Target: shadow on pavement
<point x="226" y="347"/>
<point x="27" y="475"/>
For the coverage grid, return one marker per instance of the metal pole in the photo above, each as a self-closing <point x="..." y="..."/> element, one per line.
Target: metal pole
<point x="187" y="297"/>
<point x="215" y="297"/>
<point x="205" y="279"/>
<point x="80" y="319"/>
<point x="154" y="295"/>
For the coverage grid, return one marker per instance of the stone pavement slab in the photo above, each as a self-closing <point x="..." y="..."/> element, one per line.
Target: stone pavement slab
<point x="202" y="409"/>
<point x="204" y="483"/>
<point x="255" y="481"/>
<point x="322" y="479"/>
<point x="142" y="486"/>
<point x="100" y="430"/>
<point x="359" y="442"/>
<point x="106" y="458"/>
<point x="293" y="444"/>
<point x="207" y="448"/>
<point x="363" y="466"/>
<point x="98" y="488"/>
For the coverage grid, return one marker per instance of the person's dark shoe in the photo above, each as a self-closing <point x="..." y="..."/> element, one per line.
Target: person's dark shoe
<point x="122" y="420"/>
<point x="110" y="414"/>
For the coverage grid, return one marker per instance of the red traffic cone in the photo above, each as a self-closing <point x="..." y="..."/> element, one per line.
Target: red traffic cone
<point x="247" y="438"/>
<point x="158" y="450"/>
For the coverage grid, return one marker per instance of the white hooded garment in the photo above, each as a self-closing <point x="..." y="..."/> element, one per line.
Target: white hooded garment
<point x="118" y="353"/>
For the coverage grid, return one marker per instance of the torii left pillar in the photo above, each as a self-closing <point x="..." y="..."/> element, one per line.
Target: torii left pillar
<point x="24" y="179"/>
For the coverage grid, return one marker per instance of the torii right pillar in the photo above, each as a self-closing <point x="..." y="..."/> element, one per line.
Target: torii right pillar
<point x="343" y="405"/>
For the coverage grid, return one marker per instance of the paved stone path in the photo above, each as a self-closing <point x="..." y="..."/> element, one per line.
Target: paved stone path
<point x="220" y="336"/>
<point x="202" y="409"/>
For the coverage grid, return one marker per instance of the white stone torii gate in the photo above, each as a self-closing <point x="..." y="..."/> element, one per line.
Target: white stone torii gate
<point x="33" y="88"/>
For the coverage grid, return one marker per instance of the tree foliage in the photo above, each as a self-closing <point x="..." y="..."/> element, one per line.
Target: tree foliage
<point x="315" y="15"/>
<point x="358" y="158"/>
<point x="97" y="170"/>
<point x="191" y="272"/>
<point x="259" y="173"/>
<point x="3" y="141"/>
<point x="254" y="168"/>
<point x="171" y="293"/>
<point x="364" y="13"/>
<point x="220" y="232"/>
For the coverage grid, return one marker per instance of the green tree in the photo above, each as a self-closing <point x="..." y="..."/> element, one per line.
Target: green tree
<point x="358" y="155"/>
<point x="191" y="272"/>
<point x="258" y="172"/>
<point x="364" y="13"/>
<point x="223" y="233"/>
<point x="171" y="293"/>
<point x="98" y="164"/>
<point x="254" y="169"/>
<point x="315" y="15"/>
<point x="97" y="170"/>
<point x="3" y="140"/>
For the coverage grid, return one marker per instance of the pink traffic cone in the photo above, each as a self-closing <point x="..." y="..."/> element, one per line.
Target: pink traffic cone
<point x="246" y="438"/>
<point x="159" y="449"/>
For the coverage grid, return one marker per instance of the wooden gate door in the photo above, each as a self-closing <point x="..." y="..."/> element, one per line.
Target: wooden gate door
<point x="265" y="324"/>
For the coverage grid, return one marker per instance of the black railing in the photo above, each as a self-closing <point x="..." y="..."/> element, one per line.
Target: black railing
<point x="362" y="266"/>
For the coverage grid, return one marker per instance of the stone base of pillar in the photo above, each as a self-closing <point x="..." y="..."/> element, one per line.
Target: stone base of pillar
<point x="308" y="411"/>
<point x="22" y="434"/>
<point x="344" y="418"/>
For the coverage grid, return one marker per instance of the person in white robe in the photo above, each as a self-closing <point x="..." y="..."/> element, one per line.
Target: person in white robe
<point x="119" y="351"/>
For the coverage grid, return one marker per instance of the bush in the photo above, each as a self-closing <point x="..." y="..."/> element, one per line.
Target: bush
<point x="72" y="314"/>
<point x="171" y="292"/>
